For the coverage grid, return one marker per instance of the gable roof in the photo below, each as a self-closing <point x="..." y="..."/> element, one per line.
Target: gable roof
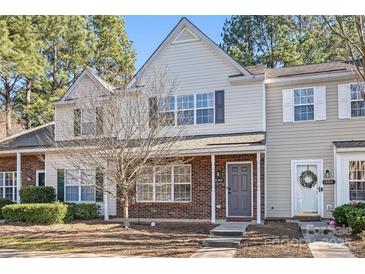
<point x="37" y="137"/>
<point x="184" y="23"/>
<point x="86" y="72"/>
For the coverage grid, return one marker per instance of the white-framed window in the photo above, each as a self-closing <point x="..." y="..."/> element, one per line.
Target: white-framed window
<point x="80" y="185"/>
<point x="8" y="188"/>
<point x="303" y="104"/>
<point x="357" y="100"/>
<point x="205" y="108"/>
<point x="40" y="178"/>
<point x="165" y="184"/>
<point x="88" y="122"/>
<point x="166" y="107"/>
<point x="185" y="109"/>
<point x="357" y="180"/>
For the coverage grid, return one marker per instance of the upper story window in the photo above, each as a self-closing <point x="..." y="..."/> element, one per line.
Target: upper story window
<point x="192" y="109"/>
<point x="185" y="110"/>
<point x="303" y="104"/>
<point x="205" y="108"/>
<point x="88" y="122"/>
<point x="357" y="100"/>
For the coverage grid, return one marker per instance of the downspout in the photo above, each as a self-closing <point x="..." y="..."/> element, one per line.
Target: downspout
<point x="212" y="160"/>
<point x="258" y="188"/>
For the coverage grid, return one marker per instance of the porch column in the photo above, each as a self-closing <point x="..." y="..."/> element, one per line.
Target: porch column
<point x="18" y="175"/>
<point x="212" y="160"/>
<point x="258" y="187"/>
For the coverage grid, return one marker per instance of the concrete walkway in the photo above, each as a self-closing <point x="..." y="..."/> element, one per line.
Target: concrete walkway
<point x="223" y="241"/>
<point x="323" y="241"/>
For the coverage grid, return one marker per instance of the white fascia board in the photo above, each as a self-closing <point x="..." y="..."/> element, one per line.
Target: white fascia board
<point x="246" y="79"/>
<point x="312" y="77"/>
<point x="350" y="149"/>
<point x="221" y="150"/>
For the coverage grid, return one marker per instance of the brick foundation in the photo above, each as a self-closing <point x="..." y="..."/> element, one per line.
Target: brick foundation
<point x="200" y="206"/>
<point x="30" y="164"/>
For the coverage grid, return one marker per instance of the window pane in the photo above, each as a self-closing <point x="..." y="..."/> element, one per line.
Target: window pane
<point x="205" y="100"/>
<point x="163" y="192"/>
<point x="72" y="193"/>
<point x="204" y="116"/>
<point x="88" y="128"/>
<point x="72" y="177"/>
<point x="352" y="195"/>
<point x="88" y="177"/>
<point x="167" y="104"/>
<point x="41" y="179"/>
<point x="185" y="117"/>
<point x="185" y="102"/>
<point x="357" y="109"/>
<point x="144" y="192"/>
<point x="182" y="192"/>
<point x="1" y="179"/>
<point x="182" y="174"/>
<point x="1" y="192"/>
<point x="163" y="175"/>
<point x="167" y="118"/>
<point x="87" y="194"/>
<point x="9" y="193"/>
<point x="9" y="179"/>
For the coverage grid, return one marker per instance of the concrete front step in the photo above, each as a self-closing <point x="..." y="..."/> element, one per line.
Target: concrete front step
<point x="226" y="233"/>
<point x="222" y="242"/>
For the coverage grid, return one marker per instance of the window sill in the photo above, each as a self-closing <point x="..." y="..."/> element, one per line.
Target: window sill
<point x="163" y="202"/>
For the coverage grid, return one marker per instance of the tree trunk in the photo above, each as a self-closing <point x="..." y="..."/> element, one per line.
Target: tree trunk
<point x="8" y="115"/>
<point x="27" y="116"/>
<point x="125" y="211"/>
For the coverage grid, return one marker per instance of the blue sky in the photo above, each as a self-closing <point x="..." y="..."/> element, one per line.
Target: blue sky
<point x="147" y="32"/>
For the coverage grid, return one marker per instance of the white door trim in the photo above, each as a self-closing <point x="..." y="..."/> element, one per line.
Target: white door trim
<point x="251" y="167"/>
<point x="294" y="163"/>
<point x="37" y="175"/>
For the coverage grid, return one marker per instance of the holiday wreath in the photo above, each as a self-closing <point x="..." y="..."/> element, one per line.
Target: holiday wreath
<point x="308" y="179"/>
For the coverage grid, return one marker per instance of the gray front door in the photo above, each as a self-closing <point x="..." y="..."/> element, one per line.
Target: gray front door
<point x="239" y="190"/>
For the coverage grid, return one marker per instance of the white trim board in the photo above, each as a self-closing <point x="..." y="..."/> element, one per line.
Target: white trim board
<point x="226" y="186"/>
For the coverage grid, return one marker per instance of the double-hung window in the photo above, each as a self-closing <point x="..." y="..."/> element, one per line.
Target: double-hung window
<point x="357" y="100"/>
<point x="185" y="110"/>
<point x="165" y="184"/>
<point x="303" y="104"/>
<point x="205" y="108"/>
<point x="80" y="185"/>
<point x="357" y="180"/>
<point x="8" y="185"/>
<point x="166" y="108"/>
<point x="88" y="124"/>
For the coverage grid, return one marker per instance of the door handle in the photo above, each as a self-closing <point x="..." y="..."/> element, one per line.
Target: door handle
<point x="320" y="189"/>
<point x="229" y="190"/>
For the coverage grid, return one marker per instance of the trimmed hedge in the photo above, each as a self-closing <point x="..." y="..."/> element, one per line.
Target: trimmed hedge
<point x="37" y="194"/>
<point x="83" y="211"/>
<point x="351" y="215"/>
<point x="4" y="202"/>
<point x="56" y="213"/>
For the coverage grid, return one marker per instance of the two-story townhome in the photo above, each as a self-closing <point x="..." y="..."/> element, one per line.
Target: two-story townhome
<point x="225" y="103"/>
<point x="315" y="119"/>
<point x="261" y="143"/>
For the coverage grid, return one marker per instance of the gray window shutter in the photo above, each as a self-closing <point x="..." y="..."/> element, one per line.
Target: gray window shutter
<point x="99" y="120"/>
<point x="219" y="106"/>
<point x="99" y="181"/>
<point x="152" y="110"/>
<point x="77" y="122"/>
<point x="60" y="184"/>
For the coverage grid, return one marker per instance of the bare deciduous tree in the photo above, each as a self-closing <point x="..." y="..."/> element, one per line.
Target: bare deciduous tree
<point x="122" y="134"/>
<point x="351" y="29"/>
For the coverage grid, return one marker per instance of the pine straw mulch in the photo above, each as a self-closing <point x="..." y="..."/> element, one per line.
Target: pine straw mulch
<point x="274" y="240"/>
<point x="163" y="240"/>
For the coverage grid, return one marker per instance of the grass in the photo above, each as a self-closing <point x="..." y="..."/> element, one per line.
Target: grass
<point x="98" y="237"/>
<point x="274" y="240"/>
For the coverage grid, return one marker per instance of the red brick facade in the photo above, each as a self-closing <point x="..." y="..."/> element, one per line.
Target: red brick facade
<point x="30" y="164"/>
<point x="200" y="205"/>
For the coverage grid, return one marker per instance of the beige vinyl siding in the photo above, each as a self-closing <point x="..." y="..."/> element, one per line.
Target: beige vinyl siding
<point x="300" y="141"/>
<point x="54" y="161"/>
<point x="84" y="91"/>
<point x="196" y="68"/>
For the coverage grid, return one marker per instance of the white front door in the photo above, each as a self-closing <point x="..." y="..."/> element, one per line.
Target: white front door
<point x="307" y="187"/>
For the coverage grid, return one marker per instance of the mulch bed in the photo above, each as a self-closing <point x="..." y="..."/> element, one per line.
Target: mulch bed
<point x="274" y="240"/>
<point x="163" y="240"/>
<point x="356" y="245"/>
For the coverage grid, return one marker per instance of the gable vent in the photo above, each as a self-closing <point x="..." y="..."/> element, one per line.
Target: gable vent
<point x="185" y="36"/>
